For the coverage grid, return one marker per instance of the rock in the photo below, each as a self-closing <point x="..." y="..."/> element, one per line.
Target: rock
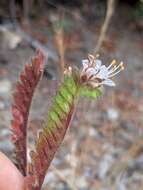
<point x="9" y="39"/>
<point x="139" y="161"/>
<point x="2" y="105"/>
<point x="63" y="186"/>
<point x="5" y="87"/>
<point x="50" y="73"/>
<point x="72" y="159"/>
<point x="112" y="114"/>
<point x="121" y="186"/>
<point x="93" y="132"/>
<point x="5" y="118"/>
<point x="6" y="146"/>
<point x="5" y="132"/>
<point x="57" y="161"/>
<point x="48" y="178"/>
<point x="65" y="172"/>
<point x="105" y="165"/>
<point x="121" y="183"/>
<point x="81" y="183"/>
<point x="87" y="172"/>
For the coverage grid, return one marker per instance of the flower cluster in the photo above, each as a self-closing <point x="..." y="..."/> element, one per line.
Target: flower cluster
<point x="95" y="74"/>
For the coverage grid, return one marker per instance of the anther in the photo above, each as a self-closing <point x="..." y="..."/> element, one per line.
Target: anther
<point x="113" y="62"/>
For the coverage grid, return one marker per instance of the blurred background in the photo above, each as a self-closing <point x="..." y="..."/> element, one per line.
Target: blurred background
<point x="103" y="149"/>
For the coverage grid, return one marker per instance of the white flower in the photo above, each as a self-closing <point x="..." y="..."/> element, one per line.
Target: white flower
<point x="96" y="74"/>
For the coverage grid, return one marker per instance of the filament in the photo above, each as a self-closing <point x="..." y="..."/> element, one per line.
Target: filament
<point x="112" y="63"/>
<point x="116" y="67"/>
<point x="122" y="68"/>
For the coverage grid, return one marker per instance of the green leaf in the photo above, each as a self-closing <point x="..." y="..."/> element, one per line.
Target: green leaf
<point x="90" y="93"/>
<point x="62" y="103"/>
<point x="54" y="116"/>
<point x="65" y="93"/>
<point x="70" y="84"/>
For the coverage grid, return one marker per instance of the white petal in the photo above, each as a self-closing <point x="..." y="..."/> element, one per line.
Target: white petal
<point x="108" y="82"/>
<point x="90" y="71"/>
<point x="98" y="63"/>
<point x="85" y="63"/>
<point x="103" y="73"/>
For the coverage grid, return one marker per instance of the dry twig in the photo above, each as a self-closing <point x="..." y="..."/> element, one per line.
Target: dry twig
<point x="59" y="39"/>
<point x="109" y="13"/>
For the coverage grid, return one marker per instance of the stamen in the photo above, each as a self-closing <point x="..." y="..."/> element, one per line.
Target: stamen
<point x="112" y="63"/>
<point x="97" y="56"/>
<point x="116" y="67"/>
<point x="122" y="67"/>
<point x="113" y="69"/>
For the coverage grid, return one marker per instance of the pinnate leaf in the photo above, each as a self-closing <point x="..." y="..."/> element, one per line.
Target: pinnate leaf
<point x="90" y="93"/>
<point x="54" y="130"/>
<point x="22" y="99"/>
